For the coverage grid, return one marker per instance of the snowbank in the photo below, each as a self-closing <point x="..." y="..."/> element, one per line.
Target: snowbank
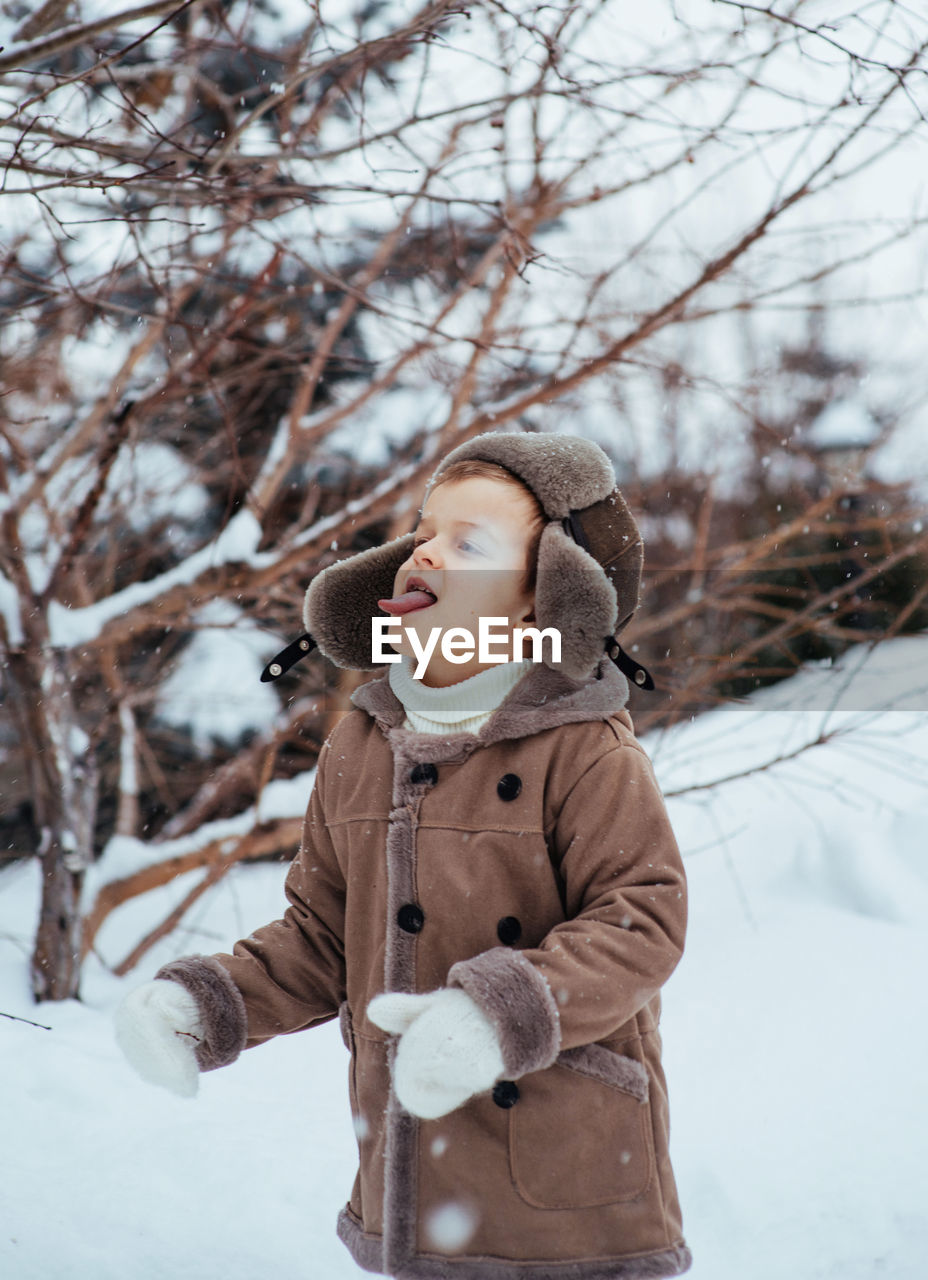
<point x="793" y="1050"/>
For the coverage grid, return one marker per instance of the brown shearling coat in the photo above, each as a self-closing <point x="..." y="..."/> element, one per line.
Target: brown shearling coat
<point x="533" y="865"/>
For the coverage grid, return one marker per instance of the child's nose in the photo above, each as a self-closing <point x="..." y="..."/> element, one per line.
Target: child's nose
<point x="426" y="553"/>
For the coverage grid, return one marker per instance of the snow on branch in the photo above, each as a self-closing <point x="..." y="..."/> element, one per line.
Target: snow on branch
<point x="263" y="267"/>
<point x="69" y="628"/>
<point x="77" y="33"/>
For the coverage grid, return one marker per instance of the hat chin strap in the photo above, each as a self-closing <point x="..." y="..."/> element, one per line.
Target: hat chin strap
<point x="640" y="676"/>
<point x="289" y="657"/>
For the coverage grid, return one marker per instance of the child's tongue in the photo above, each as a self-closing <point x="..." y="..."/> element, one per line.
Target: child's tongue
<point x="406" y="602"/>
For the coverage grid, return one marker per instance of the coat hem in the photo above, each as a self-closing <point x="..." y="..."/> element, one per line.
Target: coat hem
<point x="367" y="1251"/>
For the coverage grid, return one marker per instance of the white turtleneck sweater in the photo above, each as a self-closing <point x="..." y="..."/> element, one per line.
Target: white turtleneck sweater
<point x="456" y="708"/>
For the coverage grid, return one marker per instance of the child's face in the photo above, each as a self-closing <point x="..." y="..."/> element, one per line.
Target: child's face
<point x="471" y="550"/>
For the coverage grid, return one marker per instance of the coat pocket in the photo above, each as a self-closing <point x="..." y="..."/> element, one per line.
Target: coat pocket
<point x="580" y="1133"/>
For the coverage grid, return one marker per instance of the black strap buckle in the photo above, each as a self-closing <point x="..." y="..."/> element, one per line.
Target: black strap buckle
<point x="288" y="657"/>
<point x="640" y="676"/>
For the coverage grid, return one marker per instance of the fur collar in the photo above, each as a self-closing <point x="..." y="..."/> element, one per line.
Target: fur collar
<point x="542" y="699"/>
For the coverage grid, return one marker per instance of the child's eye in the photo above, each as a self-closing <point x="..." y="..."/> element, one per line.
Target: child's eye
<point x="463" y="544"/>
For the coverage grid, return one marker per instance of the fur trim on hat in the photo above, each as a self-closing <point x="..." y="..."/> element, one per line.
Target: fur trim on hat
<point x="341" y="600"/>
<point x="564" y="472"/>
<point x="587" y="589"/>
<point x="573" y="595"/>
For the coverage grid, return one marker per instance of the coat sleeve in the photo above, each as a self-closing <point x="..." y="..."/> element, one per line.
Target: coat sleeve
<point x="287" y="975"/>
<point x="625" y="901"/>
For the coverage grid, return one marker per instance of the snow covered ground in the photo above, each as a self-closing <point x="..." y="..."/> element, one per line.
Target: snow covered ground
<point x="794" y="1034"/>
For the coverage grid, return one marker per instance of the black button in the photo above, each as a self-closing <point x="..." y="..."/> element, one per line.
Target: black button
<point x="424" y="773"/>
<point x="509" y="931"/>
<point x="505" y="1094"/>
<point x="509" y="786"/>
<point x="410" y="917"/>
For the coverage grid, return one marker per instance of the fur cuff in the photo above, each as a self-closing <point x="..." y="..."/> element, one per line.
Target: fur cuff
<point x="518" y="1002"/>
<point x="220" y="1005"/>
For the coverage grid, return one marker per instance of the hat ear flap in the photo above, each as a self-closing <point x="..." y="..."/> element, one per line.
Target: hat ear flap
<point x="625" y="573"/>
<point x="574" y="595"/>
<point x="341" y="601"/>
<point x="608" y="531"/>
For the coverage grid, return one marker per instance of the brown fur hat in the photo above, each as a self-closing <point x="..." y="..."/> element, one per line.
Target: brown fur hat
<point x="590" y="555"/>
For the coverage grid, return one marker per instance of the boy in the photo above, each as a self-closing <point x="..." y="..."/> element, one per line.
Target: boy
<point x="488" y="894"/>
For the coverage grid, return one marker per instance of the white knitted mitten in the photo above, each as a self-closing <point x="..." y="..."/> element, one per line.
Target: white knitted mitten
<point x="448" y="1048"/>
<point x="158" y="1028"/>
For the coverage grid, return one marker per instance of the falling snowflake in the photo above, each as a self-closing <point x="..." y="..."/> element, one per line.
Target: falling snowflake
<point x="450" y="1226"/>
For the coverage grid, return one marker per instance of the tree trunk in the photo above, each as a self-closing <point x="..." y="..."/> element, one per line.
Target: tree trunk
<point x="64" y="794"/>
